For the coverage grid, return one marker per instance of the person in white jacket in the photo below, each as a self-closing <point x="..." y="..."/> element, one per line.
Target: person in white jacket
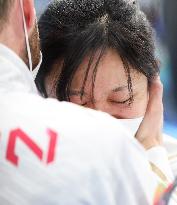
<point x="59" y="153"/>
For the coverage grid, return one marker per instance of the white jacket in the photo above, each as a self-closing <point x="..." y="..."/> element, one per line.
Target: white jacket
<point x="56" y="153"/>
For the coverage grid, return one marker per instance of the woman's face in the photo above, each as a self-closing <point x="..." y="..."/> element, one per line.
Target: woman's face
<point x="111" y="92"/>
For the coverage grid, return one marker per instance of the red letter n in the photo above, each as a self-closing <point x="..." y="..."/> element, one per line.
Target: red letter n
<point x="14" y="135"/>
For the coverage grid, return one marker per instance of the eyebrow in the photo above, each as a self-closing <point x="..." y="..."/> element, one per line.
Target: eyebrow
<point x="119" y="89"/>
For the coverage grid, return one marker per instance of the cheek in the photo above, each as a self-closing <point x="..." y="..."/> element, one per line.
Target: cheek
<point x="135" y="110"/>
<point x="139" y="105"/>
<point x="138" y="108"/>
<point x="128" y="113"/>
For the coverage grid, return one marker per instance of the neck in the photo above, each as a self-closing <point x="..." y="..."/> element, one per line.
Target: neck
<point x="12" y="33"/>
<point x="7" y="40"/>
<point x="10" y="39"/>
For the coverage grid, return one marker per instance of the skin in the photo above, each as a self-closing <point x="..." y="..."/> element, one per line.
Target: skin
<point x="153" y="119"/>
<point x="12" y="32"/>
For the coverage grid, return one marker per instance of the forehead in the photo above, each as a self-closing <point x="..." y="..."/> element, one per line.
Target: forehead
<point x="110" y="71"/>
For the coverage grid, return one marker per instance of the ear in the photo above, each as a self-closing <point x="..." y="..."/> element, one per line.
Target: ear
<point x="29" y="13"/>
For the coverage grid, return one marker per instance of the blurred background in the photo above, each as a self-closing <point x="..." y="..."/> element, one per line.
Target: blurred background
<point x="160" y="21"/>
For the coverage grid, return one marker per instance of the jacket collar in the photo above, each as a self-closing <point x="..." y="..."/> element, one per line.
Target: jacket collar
<point x="14" y="74"/>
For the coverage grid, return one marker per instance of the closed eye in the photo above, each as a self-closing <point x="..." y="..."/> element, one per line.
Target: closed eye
<point x="121" y="102"/>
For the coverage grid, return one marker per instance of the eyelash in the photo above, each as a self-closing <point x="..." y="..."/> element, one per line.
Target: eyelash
<point x="121" y="102"/>
<point x="112" y="101"/>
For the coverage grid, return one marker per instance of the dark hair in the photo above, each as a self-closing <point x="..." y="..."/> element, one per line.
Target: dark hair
<point x="4" y="8"/>
<point x="72" y="29"/>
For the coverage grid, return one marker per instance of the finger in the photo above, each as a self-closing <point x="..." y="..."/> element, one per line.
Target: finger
<point x="155" y="104"/>
<point x="154" y="112"/>
<point x="151" y="127"/>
